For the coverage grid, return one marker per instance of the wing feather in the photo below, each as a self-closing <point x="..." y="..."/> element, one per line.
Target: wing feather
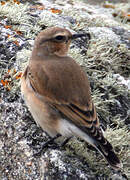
<point x="76" y="105"/>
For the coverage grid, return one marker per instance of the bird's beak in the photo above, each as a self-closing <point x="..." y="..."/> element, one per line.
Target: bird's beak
<point x="75" y="36"/>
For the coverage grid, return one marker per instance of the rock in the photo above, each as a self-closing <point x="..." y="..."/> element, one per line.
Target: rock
<point x="106" y="60"/>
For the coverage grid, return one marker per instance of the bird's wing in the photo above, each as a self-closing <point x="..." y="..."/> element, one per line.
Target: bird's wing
<point x="81" y="115"/>
<point x="84" y="118"/>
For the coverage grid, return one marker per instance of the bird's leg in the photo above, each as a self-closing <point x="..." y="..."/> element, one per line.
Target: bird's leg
<point x="50" y="141"/>
<point x="46" y="144"/>
<point x="65" y="142"/>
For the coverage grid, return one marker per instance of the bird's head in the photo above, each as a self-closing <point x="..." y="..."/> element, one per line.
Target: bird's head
<point x="55" y="41"/>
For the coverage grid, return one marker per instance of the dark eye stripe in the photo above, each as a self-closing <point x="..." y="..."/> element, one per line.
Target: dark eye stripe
<point x="59" y="38"/>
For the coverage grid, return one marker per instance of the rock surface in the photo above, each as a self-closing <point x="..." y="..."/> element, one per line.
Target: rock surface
<point x="106" y="60"/>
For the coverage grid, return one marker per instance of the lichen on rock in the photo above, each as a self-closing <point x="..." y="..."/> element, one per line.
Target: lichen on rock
<point x="106" y="61"/>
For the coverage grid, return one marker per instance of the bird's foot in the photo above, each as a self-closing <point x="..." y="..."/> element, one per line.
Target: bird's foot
<point x="65" y="142"/>
<point x="51" y="143"/>
<point x="47" y="144"/>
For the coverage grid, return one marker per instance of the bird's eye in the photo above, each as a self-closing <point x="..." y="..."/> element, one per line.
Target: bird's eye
<point x="60" y="38"/>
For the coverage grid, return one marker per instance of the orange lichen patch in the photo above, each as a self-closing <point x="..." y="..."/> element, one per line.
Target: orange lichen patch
<point x="2" y="3"/>
<point x="8" y="26"/>
<point x="39" y="7"/>
<point x="9" y="78"/>
<point x="17" y="2"/>
<point x="18" y="32"/>
<point x="122" y="14"/>
<point x="6" y="82"/>
<point x="56" y="11"/>
<point x="3" y="82"/>
<point x="16" y="42"/>
<point x="14" y="71"/>
<point x="19" y="75"/>
<point x="8" y="88"/>
<point x="128" y="16"/>
<point x="109" y="6"/>
<point x="8" y="35"/>
<point x="78" y="24"/>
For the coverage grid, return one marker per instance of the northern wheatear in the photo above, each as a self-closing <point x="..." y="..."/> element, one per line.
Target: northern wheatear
<point x="57" y="92"/>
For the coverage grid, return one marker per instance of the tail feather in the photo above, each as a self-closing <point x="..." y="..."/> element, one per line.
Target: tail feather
<point x="109" y="154"/>
<point x="103" y="146"/>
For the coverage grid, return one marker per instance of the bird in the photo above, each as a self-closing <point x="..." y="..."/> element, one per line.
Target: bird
<point x="57" y="92"/>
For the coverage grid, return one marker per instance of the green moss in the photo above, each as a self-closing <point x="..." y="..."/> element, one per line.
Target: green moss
<point x="120" y="141"/>
<point x="103" y="59"/>
<point x="23" y="58"/>
<point x="18" y="16"/>
<point x="14" y="12"/>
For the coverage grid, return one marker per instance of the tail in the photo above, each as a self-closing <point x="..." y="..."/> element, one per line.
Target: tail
<point x="106" y="149"/>
<point x="96" y="139"/>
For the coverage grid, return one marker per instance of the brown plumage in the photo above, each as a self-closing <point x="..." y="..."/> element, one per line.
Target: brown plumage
<point x="57" y="92"/>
